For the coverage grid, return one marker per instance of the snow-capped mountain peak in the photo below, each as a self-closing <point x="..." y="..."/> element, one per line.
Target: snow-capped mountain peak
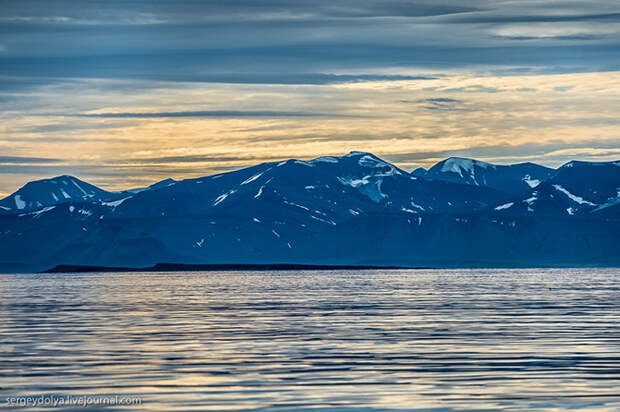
<point x="462" y="165"/>
<point x="516" y="179"/>
<point x="52" y="191"/>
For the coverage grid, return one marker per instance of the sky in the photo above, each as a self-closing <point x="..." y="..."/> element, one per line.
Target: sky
<point x="126" y="93"/>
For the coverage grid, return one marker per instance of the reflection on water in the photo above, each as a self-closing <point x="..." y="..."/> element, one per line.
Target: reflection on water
<point x="363" y="340"/>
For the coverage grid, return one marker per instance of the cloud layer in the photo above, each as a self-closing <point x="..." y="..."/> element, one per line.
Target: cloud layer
<point x="124" y="93"/>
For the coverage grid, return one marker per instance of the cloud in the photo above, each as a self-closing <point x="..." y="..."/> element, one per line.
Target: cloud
<point x="549" y="153"/>
<point x="292" y="42"/>
<point x="133" y="91"/>
<point x="4" y="160"/>
<point x="440" y="103"/>
<point x="477" y="88"/>
<point x="65" y="126"/>
<point x="440" y="100"/>
<point x="191" y="159"/>
<point x="203" y="113"/>
<point x="550" y="16"/>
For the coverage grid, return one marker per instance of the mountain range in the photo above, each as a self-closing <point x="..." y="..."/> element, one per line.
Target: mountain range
<point x="355" y="209"/>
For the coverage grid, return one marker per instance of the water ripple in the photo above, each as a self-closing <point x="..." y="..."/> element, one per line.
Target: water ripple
<point x="442" y="340"/>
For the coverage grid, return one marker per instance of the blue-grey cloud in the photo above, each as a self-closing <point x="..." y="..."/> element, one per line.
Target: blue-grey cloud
<point x="161" y="68"/>
<point x="440" y="103"/>
<point x="293" y="42"/>
<point x="440" y="100"/>
<point x="471" y="89"/>
<point x="41" y="130"/>
<point x="536" y="17"/>
<point x="25" y="160"/>
<point x="307" y="65"/>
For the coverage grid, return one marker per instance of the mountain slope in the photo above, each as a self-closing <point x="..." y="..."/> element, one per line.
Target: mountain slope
<point x="64" y="189"/>
<point x="47" y="192"/>
<point x="515" y="179"/>
<point x="576" y="188"/>
<point x="325" y="189"/>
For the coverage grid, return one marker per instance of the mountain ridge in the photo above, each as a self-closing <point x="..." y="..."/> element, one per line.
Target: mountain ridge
<point x="418" y="172"/>
<point x="356" y="209"/>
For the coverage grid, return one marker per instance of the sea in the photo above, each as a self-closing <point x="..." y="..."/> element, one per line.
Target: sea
<point x="334" y="340"/>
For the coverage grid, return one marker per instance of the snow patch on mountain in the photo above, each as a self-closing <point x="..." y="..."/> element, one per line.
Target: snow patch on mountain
<point x="372" y="189"/>
<point x="372" y="162"/>
<point x="530" y="201"/>
<point x="324" y="159"/>
<point x="355" y="153"/>
<point x="80" y="188"/>
<point x="329" y="222"/>
<point x="38" y="213"/>
<point x="223" y="197"/>
<point x="19" y="203"/>
<point x="259" y="193"/>
<point x="574" y="198"/>
<point x="369" y="161"/>
<point x="414" y="204"/>
<point x="349" y="181"/>
<point x="297" y="205"/>
<point x="116" y="202"/>
<point x="459" y="165"/>
<point x="252" y="178"/>
<point x="504" y="206"/>
<point x="531" y="182"/>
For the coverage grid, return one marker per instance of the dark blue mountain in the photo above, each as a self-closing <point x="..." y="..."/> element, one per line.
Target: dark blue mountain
<point x="576" y="188"/>
<point x="157" y="185"/>
<point x="43" y="193"/>
<point x="323" y="190"/>
<point x="61" y="189"/>
<point x="354" y="209"/>
<point x="516" y="179"/>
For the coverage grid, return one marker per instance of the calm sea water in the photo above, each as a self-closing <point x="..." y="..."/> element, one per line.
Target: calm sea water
<point x="351" y="340"/>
